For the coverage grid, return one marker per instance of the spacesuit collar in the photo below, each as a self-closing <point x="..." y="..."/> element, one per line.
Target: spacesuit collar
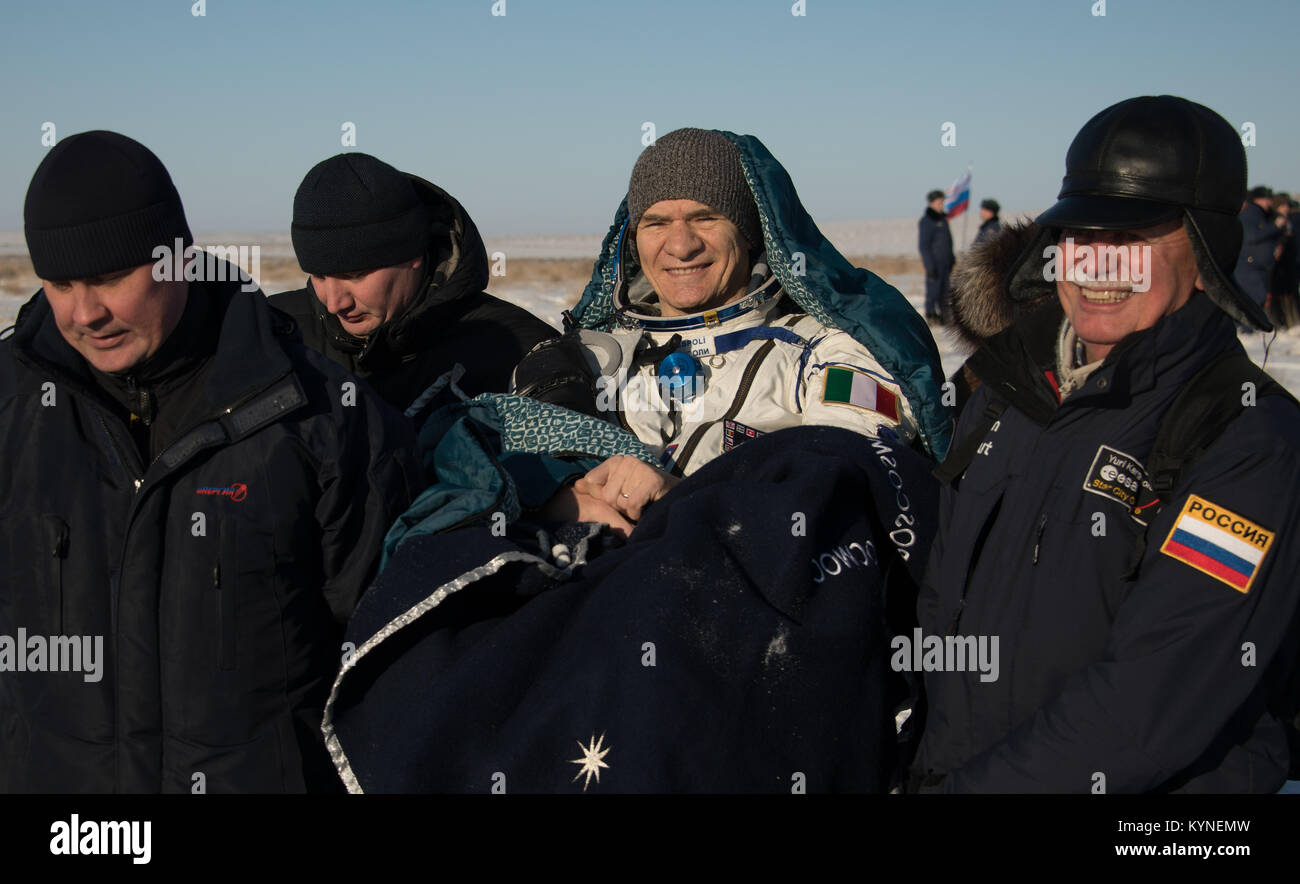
<point x="764" y="291"/>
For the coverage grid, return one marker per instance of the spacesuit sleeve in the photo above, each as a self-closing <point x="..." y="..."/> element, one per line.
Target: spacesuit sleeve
<point x="1192" y="643"/>
<point x="842" y="385"/>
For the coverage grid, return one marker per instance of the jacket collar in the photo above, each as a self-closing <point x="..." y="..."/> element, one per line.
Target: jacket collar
<point x="1165" y="355"/>
<point x="247" y="357"/>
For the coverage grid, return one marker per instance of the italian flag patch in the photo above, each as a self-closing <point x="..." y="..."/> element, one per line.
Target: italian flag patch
<point x="847" y="386"/>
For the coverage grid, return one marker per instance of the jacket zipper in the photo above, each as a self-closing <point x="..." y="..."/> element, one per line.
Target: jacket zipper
<point x="742" y="393"/>
<point x="121" y="455"/>
<point x="956" y="616"/>
<point x="59" y="552"/>
<point x="225" y="602"/>
<point x="1038" y="536"/>
<point x="141" y="397"/>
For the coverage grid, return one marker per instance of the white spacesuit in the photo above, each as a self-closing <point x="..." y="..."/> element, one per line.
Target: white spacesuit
<point x="693" y="387"/>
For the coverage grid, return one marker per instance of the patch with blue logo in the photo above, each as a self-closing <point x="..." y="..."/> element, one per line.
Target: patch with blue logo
<point x="1118" y="476"/>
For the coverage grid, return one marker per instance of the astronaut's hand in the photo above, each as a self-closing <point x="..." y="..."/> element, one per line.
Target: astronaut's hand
<point x="570" y="505"/>
<point x="627" y="484"/>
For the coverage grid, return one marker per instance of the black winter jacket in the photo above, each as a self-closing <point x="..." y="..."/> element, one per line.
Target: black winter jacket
<point x="987" y="229"/>
<point x="1286" y="267"/>
<point x="451" y="320"/>
<point x="1166" y="680"/>
<point x="219" y="575"/>
<point x="1259" y="236"/>
<point x="934" y="240"/>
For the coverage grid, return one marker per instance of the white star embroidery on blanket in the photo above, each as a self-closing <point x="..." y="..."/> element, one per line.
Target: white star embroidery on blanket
<point x="591" y="760"/>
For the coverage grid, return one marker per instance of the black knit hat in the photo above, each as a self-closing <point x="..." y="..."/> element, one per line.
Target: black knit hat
<point x="355" y="212"/>
<point x="100" y="202"/>
<point x="695" y="164"/>
<point x="934" y="195"/>
<point x="991" y="205"/>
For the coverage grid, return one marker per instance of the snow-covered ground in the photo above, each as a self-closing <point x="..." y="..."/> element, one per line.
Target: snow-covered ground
<point x="1283" y="353"/>
<point x="896" y="237"/>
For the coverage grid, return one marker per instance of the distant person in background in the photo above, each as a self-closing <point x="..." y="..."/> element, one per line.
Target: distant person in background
<point x="935" y="244"/>
<point x="1281" y="305"/>
<point x="1260" y="235"/>
<point x="396" y="289"/>
<point x="989" y="221"/>
<point x="1291" y="303"/>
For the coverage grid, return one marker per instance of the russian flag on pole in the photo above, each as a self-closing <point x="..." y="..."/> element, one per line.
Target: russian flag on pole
<point x="958" y="199"/>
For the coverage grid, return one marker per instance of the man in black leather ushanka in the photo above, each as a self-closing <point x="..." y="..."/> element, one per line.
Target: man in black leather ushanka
<point x="1145" y="625"/>
<point x="191" y="504"/>
<point x="396" y="289"/>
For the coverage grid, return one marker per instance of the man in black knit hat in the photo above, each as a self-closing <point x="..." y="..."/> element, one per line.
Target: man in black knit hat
<point x="191" y="505"/>
<point x="396" y="289"/>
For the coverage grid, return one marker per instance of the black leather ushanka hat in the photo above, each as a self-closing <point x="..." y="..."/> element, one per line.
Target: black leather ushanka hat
<point x="1152" y="159"/>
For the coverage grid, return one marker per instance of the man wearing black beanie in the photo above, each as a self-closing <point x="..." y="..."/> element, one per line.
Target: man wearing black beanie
<point x="397" y="271"/>
<point x="192" y="503"/>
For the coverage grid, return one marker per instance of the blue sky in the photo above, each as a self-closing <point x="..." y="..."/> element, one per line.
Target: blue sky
<point x="533" y="119"/>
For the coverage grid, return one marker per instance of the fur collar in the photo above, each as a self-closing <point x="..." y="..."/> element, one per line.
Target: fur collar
<point x="982" y="304"/>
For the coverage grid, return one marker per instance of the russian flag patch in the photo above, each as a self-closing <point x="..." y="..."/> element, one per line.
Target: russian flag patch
<point x="847" y="386"/>
<point x="1218" y="542"/>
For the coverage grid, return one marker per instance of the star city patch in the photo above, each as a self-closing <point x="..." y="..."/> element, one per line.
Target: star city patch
<point x="847" y="386"/>
<point x="1218" y="542"/>
<point x="1117" y="476"/>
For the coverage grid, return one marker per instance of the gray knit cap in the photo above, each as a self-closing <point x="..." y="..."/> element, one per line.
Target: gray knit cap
<point x="695" y="164"/>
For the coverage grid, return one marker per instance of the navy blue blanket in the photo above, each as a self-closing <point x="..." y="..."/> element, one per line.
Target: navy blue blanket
<point x="738" y="643"/>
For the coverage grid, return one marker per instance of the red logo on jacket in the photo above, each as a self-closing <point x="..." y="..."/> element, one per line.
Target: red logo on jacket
<point x="235" y="492"/>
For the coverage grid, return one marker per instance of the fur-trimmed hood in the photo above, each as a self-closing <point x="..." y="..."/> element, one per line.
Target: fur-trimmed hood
<point x="981" y="299"/>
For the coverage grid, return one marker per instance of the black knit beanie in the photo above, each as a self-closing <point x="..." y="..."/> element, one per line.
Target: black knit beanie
<point x="100" y="202"/>
<point x="355" y="212"/>
<point x="695" y="164"/>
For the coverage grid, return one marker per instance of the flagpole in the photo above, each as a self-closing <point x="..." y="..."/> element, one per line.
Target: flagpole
<point x="969" y="167"/>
